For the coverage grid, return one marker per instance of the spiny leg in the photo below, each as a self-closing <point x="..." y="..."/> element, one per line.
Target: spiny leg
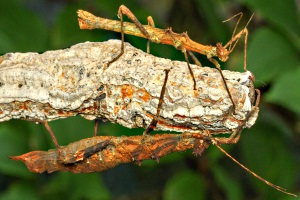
<point x="96" y="124"/>
<point x="150" y="23"/>
<point x="178" y="45"/>
<point x="51" y="134"/>
<point x="224" y="81"/>
<point x="154" y="121"/>
<point x="196" y="61"/>
<point x="223" y="53"/>
<point x="257" y="98"/>
<point x="124" y="10"/>
<point x="235" y="38"/>
<point x="240" y="14"/>
<point x="234" y="137"/>
<point x="190" y="69"/>
<point x="245" y="49"/>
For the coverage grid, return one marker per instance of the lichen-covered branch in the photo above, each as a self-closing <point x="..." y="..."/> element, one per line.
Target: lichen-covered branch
<point x="73" y="81"/>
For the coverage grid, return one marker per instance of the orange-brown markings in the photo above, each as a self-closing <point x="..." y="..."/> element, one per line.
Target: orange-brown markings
<point x="144" y="95"/>
<point x="68" y="81"/>
<point x="116" y="109"/>
<point x="127" y="91"/>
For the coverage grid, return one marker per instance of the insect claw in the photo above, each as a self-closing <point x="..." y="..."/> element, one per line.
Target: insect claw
<point x="138" y="162"/>
<point x="199" y="147"/>
<point x="157" y="160"/>
<point x="168" y="30"/>
<point x="184" y="34"/>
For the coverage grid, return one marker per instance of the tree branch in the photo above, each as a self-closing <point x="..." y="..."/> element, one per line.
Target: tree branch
<point x="69" y="82"/>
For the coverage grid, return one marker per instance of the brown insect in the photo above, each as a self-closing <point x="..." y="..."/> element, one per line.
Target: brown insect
<point x="181" y="42"/>
<point x="105" y="152"/>
<point x="80" y="158"/>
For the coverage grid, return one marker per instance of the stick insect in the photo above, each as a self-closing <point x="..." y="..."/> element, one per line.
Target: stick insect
<point x="205" y="137"/>
<point x="186" y="45"/>
<point x="101" y="153"/>
<point x="181" y="41"/>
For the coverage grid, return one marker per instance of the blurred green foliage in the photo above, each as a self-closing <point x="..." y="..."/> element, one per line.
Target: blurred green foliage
<point x="270" y="148"/>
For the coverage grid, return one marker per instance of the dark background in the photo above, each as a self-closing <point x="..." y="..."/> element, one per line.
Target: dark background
<point x="270" y="147"/>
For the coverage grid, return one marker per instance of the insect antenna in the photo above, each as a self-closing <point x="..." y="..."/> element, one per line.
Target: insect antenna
<point x="254" y="174"/>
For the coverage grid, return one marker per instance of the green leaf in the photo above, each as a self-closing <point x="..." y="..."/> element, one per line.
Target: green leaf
<point x="268" y="115"/>
<point x="66" y="31"/>
<point x="265" y="151"/>
<point x="12" y="143"/>
<point x="185" y="185"/>
<point x="214" y="154"/>
<point x="84" y="186"/>
<point x="231" y="186"/>
<point x="89" y="186"/>
<point x="270" y="55"/>
<point x="20" y="191"/>
<point x="285" y="91"/>
<point x="284" y="14"/>
<point x="71" y="129"/>
<point x="210" y="11"/>
<point x="6" y="43"/>
<point x="25" y="33"/>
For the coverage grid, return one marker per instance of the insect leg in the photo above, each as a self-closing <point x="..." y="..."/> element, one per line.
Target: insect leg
<point x="245" y="49"/>
<point x="223" y="53"/>
<point x="124" y="10"/>
<point x="51" y="134"/>
<point x="150" y="23"/>
<point x="224" y="81"/>
<point x="96" y="127"/>
<point x="240" y="14"/>
<point x="188" y="64"/>
<point x="178" y="45"/>
<point x="235" y="38"/>
<point x="196" y="61"/>
<point x="154" y="121"/>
